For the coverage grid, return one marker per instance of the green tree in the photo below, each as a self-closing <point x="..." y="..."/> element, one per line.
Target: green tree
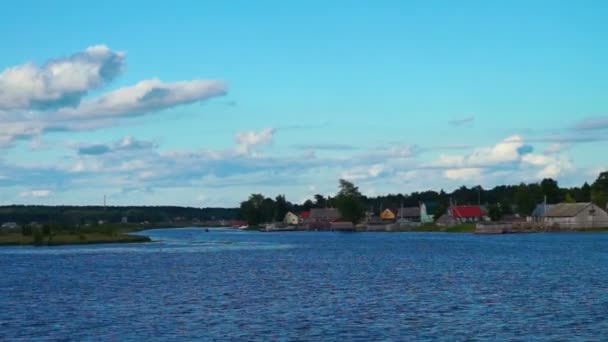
<point x="268" y="210"/>
<point x="38" y="237"/>
<point x="523" y="200"/>
<point x="47" y="230"/>
<point x="251" y="210"/>
<point x="348" y="202"/>
<point x="320" y="201"/>
<point x="569" y="199"/>
<point x="282" y="207"/>
<point x="495" y="212"/>
<point x="26" y="230"/>
<point x="550" y="189"/>
<point x="308" y="205"/>
<point x="586" y="193"/>
<point x="599" y="190"/>
<point x="439" y="211"/>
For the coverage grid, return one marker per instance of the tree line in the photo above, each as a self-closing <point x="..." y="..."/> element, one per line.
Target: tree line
<point x="80" y="215"/>
<point x="504" y="199"/>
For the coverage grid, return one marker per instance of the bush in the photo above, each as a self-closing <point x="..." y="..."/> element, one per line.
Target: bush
<point x="46" y="230"/>
<point x="38" y="237"/>
<point x="26" y="230"/>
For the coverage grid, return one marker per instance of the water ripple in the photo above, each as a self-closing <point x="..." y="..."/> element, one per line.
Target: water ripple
<point x="227" y="285"/>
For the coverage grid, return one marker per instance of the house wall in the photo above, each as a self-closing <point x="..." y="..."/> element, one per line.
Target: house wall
<point x="387" y="215"/>
<point x="291" y="219"/>
<point x="582" y="220"/>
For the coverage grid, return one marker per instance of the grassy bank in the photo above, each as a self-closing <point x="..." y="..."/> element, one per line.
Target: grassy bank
<point x="16" y="239"/>
<point x="54" y="235"/>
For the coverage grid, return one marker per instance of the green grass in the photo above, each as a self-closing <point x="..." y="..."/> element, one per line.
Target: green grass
<point x="64" y="238"/>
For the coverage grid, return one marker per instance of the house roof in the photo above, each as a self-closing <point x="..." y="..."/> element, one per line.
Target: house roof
<point x="445" y="219"/>
<point x="466" y="211"/>
<point x="392" y="210"/>
<point x="409" y="212"/>
<point x="566" y="209"/>
<point x="324" y="213"/>
<point x="540" y="209"/>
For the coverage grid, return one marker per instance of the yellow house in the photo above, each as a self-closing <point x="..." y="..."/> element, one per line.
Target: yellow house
<point x="291" y="219"/>
<point x="388" y="214"/>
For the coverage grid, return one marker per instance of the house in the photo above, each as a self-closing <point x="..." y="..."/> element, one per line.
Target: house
<point x="539" y="212"/>
<point x="425" y="217"/>
<point x="466" y="213"/>
<point x="304" y="216"/>
<point x="324" y="214"/>
<point x="446" y="220"/>
<point x="321" y="218"/>
<point x="342" y="226"/>
<point x="389" y="214"/>
<point x="291" y="219"/>
<point x="576" y="216"/>
<point x="411" y="214"/>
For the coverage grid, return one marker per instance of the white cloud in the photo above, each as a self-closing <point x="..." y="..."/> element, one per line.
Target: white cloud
<point x="249" y="139"/>
<point x="40" y="193"/>
<point x="364" y="172"/>
<point x="463" y="174"/>
<point x="145" y="96"/>
<point x="551" y="166"/>
<point x="35" y="100"/>
<point x="508" y="150"/>
<point x="59" y="82"/>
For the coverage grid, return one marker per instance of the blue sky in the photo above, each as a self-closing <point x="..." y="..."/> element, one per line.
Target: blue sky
<point x="201" y="103"/>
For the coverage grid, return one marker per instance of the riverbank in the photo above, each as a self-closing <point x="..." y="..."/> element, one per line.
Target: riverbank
<point x="58" y="239"/>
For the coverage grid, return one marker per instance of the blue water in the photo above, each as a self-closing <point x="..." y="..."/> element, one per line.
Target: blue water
<point x="231" y="285"/>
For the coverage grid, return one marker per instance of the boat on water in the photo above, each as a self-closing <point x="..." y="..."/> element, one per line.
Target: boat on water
<point x="243" y="227"/>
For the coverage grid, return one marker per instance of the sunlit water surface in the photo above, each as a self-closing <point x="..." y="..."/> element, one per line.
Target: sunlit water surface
<point x="232" y="285"/>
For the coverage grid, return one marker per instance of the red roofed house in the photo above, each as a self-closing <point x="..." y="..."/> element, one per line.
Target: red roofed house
<point x="466" y="213"/>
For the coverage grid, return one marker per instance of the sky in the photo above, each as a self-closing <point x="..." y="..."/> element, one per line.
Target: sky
<point x="201" y="103"/>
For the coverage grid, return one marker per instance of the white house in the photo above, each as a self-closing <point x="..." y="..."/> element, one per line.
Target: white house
<point x="291" y="219"/>
<point x="576" y="216"/>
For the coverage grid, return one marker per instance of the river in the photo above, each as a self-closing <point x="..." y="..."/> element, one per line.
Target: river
<point x="305" y="286"/>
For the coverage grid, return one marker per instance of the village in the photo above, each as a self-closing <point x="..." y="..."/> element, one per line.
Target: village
<point x="545" y="217"/>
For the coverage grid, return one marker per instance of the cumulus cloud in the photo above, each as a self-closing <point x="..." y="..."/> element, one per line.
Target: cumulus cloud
<point x="146" y="96"/>
<point x="36" y="100"/>
<point x="462" y="121"/>
<point x="247" y="140"/>
<point x="510" y="156"/>
<point x="59" y="82"/>
<point x="507" y="151"/>
<point x="551" y="166"/>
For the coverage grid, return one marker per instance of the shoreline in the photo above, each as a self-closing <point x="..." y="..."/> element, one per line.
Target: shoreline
<point x="65" y="239"/>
